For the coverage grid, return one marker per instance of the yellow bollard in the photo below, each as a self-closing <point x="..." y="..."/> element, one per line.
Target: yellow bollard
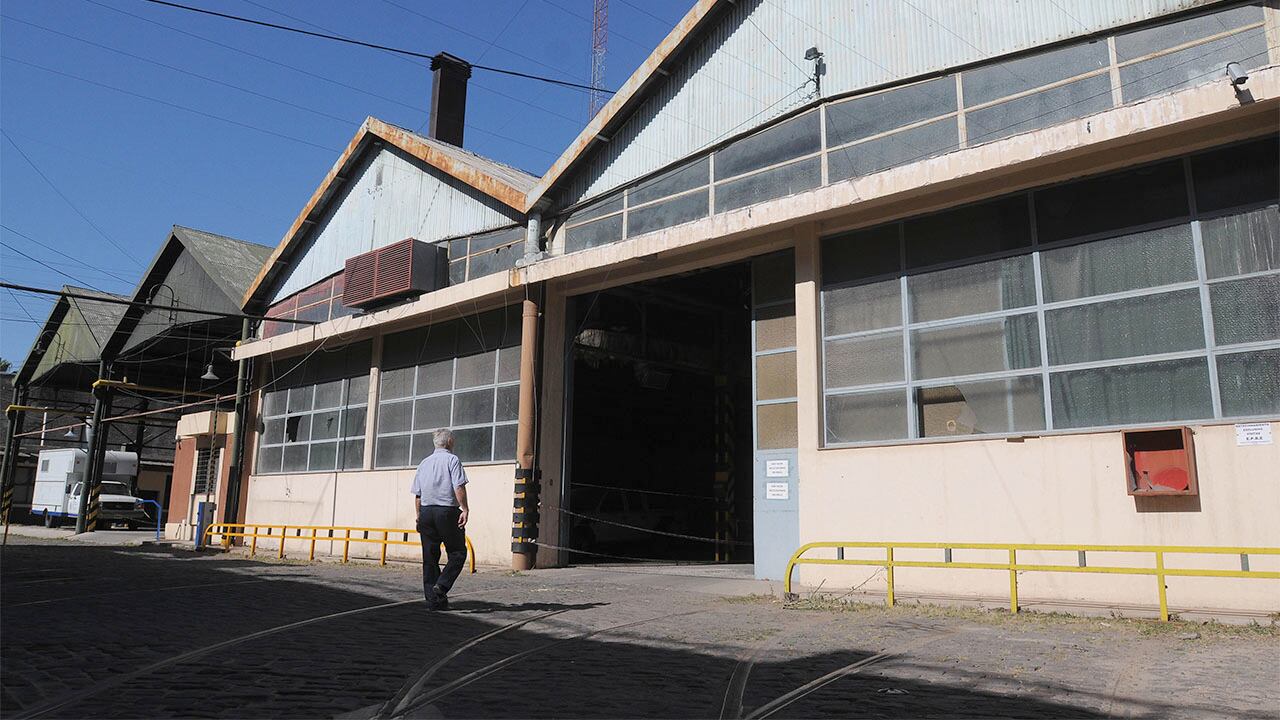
<point x="346" y="547"/>
<point x="284" y="530"/>
<point x="1164" y="600"/>
<point x="253" y="546"/>
<point x="888" y="549"/>
<point x="1013" y="581"/>
<point x="383" y="560"/>
<point x="312" y="555"/>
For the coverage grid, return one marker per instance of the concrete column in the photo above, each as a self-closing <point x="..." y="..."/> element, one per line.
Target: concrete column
<point x="808" y="339"/>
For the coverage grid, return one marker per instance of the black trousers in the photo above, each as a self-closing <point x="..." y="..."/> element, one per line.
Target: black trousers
<point x="439" y="524"/>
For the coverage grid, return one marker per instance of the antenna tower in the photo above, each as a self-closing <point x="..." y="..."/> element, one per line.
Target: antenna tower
<point x="599" y="43"/>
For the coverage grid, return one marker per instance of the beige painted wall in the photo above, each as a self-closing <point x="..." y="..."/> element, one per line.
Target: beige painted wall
<point x="380" y="499"/>
<point x="1052" y="489"/>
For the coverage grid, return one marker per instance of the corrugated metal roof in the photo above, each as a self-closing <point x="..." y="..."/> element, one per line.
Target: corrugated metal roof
<point x="231" y="263"/>
<point x="515" y="177"/>
<point x="75" y="332"/>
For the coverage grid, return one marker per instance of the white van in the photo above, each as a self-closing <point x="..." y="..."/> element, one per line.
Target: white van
<point x="60" y="488"/>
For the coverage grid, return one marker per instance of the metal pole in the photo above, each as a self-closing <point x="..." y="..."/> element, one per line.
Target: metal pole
<point x="11" y="448"/>
<point x="231" y="512"/>
<point x="92" y="472"/>
<point x="524" y="530"/>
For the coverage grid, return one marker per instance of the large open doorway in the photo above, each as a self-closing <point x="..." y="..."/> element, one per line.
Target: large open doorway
<point x="660" y="436"/>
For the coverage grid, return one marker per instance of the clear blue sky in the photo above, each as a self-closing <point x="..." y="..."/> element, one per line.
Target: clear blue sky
<point x="143" y="156"/>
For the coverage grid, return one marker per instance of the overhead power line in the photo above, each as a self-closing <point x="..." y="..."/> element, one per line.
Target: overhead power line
<point x="63" y="273"/>
<point x="150" y="306"/>
<point x="371" y="45"/>
<point x="72" y="258"/>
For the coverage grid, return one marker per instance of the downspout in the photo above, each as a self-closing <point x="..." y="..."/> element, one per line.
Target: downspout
<point x="524" y="519"/>
<point x="231" y="512"/>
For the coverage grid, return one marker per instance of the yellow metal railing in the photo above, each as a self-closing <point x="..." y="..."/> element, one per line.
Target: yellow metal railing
<point x="313" y="534"/>
<point x="1013" y="567"/>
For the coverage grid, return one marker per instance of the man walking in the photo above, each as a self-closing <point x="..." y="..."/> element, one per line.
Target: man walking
<point x="440" y="500"/>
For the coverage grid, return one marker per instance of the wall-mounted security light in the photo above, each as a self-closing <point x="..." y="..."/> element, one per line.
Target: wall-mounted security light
<point x="1237" y="74"/>
<point x="812" y="54"/>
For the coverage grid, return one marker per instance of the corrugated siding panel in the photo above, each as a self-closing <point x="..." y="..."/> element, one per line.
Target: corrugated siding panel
<point x="736" y="78"/>
<point x="390" y="197"/>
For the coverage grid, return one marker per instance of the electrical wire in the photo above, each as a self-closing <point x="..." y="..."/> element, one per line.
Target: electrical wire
<point x="50" y="267"/>
<point x="370" y="45"/>
<point x="74" y="259"/>
<point x="67" y="200"/>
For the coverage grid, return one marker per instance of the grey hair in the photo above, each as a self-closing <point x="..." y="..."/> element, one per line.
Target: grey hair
<point x="443" y="437"/>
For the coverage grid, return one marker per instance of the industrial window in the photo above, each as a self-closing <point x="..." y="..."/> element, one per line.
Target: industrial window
<point x="476" y="256"/>
<point x="318" y="303"/>
<point x="462" y="374"/>
<point x="314" y="411"/>
<point x="205" y="474"/>
<point x="1111" y="304"/>
<point x="774" y="350"/>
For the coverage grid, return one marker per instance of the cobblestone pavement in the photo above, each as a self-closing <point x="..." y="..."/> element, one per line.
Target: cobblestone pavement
<point x="91" y="631"/>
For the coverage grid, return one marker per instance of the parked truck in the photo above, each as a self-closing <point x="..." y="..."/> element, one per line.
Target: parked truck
<point x="60" y="488"/>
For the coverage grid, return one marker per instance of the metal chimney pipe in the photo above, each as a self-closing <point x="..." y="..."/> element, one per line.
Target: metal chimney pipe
<point x="449" y="97"/>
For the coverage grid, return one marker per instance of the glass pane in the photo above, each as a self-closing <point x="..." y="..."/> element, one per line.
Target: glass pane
<point x="1147" y="195"/>
<point x="295" y="458"/>
<point x="423" y="444"/>
<point x="1147" y="325"/>
<point x="300" y="398"/>
<point x="396" y="384"/>
<point x="269" y="459"/>
<point x="996" y="406"/>
<point x="770" y="184"/>
<point x="776" y="426"/>
<point x="324" y="456"/>
<point x="474" y="444"/>
<point x="985" y="287"/>
<point x="900" y="148"/>
<point x="593" y="234"/>
<point x="776" y="376"/>
<point x="861" y="254"/>
<point x="432" y="413"/>
<point x="458" y="272"/>
<point x="474" y="407"/>
<point x="1239" y="244"/>
<point x="435" y="377"/>
<point x="1167" y="391"/>
<point x="496" y="260"/>
<point x="791" y="139"/>
<point x="669" y="213"/>
<point x="989" y="346"/>
<point x="352" y="455"/>
<point x="867" y="416"/>
<point x="1162" y="37"/>
<point x="476" y="370"/>
<point x="496" y="239"/>
<point x="688" y="177"/>
<point x="504" y="442"/>
<point x="1250" y="383"/>
<point x="994" y="81"/>
<point x="1129" y="262"/>
<point x="358" y="390"/>
<point x="863" y="360"/>
<point x="1244" y="174"/>
<point x="273" y="431"/>
<point x="773" y="278"/>
<point x="508" y="403"/>
<point x="862" y="307"/>
<point x="1192" y="66"/>
<point x="394" y="416"/>
<point x="392" y="452"/>
<point x="597" y="208"/>
<point x="970" y="231"/>
<point x="869" y="115"/>
<point x="509" y="364"/>
<point x="329" y="395"/>
<point x="1246" y="310"/>
<point x="354" y="421"/>
<point x="274" y="403"/>
<point x="324" y="425"/>
<point x="1040" y="109"/>
<point x="775" y="327"/>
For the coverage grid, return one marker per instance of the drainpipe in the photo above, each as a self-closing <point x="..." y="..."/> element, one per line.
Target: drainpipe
<point x="524" y="519"/>
<point x="231" y="512"/>
<point x="11" y="447"/>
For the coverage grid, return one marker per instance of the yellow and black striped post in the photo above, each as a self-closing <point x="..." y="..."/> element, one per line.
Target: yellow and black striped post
<point x="95" y="507"/>
<point x="12" y="445"/>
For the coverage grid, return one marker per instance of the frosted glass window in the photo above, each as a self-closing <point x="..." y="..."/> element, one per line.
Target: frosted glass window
<point x="668" y="213"/>
<point x="324" y="456"/>
<point x="867" y="416"/>
<point x="1135" y="44"/>
<point x="973" y="289"/>
<point x="1193" y="66"/>
<point x="770" y="184"/>
<point x="1167" y="391"/>
<point x="1129" y="262"/>
<point x="300" y="398"/>
<point x="392" y="451"/>
<point x="694" y="174"/>
<point x="1246" y="310"/>
<point x="474" y="444"/>
<point x="593" y="234"/>
<point x="862" y="307"/>
<point x="329" y="395"/>
<point x="508" y="403"/>
<point x="1249" y="383"/>
<point x="1145" y="325"/>
<point x="394" y="417"/>
<point x="1040" y="109"/>
<point x="476" y="370"/>
<point x="295" y="458"/>
<point x="791" y="139"/>
<point x="776" y="426"/>
<point x="869" y="115"/>
<point x="396" y="383"/>
<point x="776" y="376"/>
<point x="351" y="454"/>
<point x="865" y="360"/>
<point x="775" y="327"/>
<point x="504" y="441"/>
<point x="899" y="148"/>
<point x="1240" y="244"/>
<point x="989" y="346"/>
<point x="324" y="425"/>
<point x="435" y="377"/>
<point x="472" y="408"/>
<point x="431" y="413"/>
<point x="993" y="406"/>
<point x="997" y="80"/>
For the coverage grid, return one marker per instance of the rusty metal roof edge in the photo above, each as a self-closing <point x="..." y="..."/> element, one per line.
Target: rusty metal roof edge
<point x="408" y="142"/>
<point x="630" y="91"/>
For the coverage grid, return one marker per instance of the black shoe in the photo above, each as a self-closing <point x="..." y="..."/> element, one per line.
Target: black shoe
<point x="441" y="599"/>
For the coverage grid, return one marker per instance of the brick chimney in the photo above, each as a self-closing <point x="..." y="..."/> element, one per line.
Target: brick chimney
<point x="449" y="97"/>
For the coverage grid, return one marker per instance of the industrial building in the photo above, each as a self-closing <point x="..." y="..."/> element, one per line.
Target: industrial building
<point x="935" y="271"/>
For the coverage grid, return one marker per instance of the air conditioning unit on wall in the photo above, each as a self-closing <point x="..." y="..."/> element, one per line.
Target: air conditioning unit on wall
<point x="400" y="270"/>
